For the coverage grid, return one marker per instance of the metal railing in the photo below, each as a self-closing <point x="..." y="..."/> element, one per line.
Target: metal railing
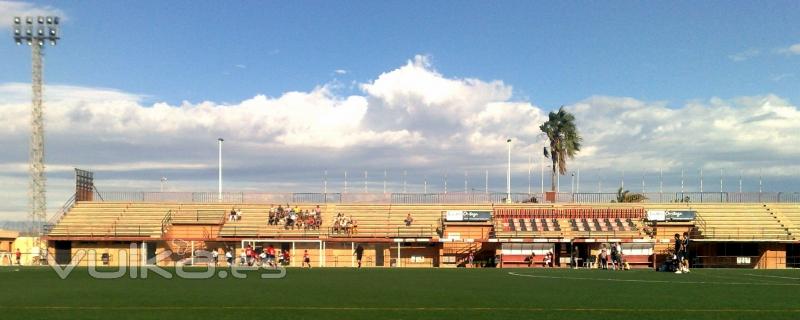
<point x="442" y="198"/>
<point x="59" y="215"/>
<point x="739" y="233"/>
<point x="259" y="231"/>
<point x="385" y="232"/>
<point x="166" y="222"/>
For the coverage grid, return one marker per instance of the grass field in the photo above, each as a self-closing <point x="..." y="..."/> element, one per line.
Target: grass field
<point x="38" y="293"/>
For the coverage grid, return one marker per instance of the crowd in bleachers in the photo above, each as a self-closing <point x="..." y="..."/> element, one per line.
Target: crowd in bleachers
<point x="235" y="215"/>
<point x="295" y="218"/>
<point x="344" y="224"/>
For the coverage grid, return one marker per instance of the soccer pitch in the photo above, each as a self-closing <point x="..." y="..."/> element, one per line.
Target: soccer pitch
<point x="337" y="293"/>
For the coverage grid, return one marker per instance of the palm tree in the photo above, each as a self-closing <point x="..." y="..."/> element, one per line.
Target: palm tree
<point x="625" y="196"/>
<point x="565" y="141"/>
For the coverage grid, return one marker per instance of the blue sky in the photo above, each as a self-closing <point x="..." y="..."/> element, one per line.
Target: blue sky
<point x="141" y="90"/>
<point x="550" y="53"/>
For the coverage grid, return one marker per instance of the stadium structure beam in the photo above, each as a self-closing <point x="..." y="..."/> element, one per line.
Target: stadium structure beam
<point x="36" y="32"/>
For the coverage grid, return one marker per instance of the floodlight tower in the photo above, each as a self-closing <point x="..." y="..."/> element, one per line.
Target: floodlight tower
<point x="36" y="32"/>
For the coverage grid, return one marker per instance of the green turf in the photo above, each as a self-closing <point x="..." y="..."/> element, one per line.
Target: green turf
<point x="37" y="293"/>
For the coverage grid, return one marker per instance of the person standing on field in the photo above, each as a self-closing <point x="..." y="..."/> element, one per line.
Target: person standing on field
<point x="306" y="260"/>
<point x="359" y="253"/>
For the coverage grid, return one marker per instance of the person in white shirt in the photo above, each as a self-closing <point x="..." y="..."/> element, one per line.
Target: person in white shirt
<point x="229" y="257"/>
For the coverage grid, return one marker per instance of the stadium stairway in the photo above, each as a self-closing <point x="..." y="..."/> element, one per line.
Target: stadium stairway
<point x="788" y="215"/>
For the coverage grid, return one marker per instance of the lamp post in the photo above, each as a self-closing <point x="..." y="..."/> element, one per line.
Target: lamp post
<point x="529" y="175"/>
<point x="36" y="31"/>
<point x="466" y="181"/>
<point x="508" y="174"/>
<point x="486" y="183"/>
<point x="572" y="183"/>
<point x="445" y="182"/>
<point x="163" y="180"/>
<point x="404" y="181"/>
<point x="219" y="187"/>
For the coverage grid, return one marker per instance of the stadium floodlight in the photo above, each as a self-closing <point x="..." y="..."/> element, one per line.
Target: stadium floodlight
<point x="46" y="30"/>
<point x="36" y="37"/>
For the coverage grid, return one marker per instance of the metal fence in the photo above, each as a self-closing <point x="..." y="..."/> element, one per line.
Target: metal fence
<point x="443" y="198"/>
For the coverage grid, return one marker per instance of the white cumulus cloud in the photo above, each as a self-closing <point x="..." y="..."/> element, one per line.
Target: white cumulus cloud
<point x="410" y="118"/>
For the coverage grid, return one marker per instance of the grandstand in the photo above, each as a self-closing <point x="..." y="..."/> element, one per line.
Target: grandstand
<point x="503" y="234"/>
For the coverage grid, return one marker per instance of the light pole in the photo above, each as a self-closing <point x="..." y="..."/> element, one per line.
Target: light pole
<point x="163" y="180"/>
<point x="541" y="162"/>
<point x="345" y="181"/>
<point x="445" y="182"/>
<point x="529" y="175"/>
<point x="486" y="183"/>
<point x="366" y="190"/>
<point x="36" y="31"/>
<point x="325" y="182"/>
<point x="701" y="180"/>
<point x="644" y="187"/>
<point x="508" y="174"/>
<point x="740" y="181"/>
<point x="219" y="189"/>
<point x="682" y="180"/>
<point x="404" y="181"/>
<point x="466" y="181"/>
<point x="572" y="183"/>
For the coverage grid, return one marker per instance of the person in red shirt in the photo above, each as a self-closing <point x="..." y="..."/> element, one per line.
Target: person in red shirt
<point x="271" y="256"/>
<point x="286" y="257"/>
<point x="306" y="259"/>
<point x="19" y="257"/>
<point x="250" y="254"/>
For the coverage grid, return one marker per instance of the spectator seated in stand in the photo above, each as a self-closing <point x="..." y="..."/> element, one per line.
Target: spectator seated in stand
<point x="408" y="220"/>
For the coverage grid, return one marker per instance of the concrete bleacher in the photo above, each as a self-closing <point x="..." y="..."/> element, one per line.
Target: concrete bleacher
<point x="720" y="221"/>
<point x="725" y="221"/>
<point x="190" y="215"/>
<point x="112" y="219"/>
<point x="737" y="222"/>
<point x="427" y="218"/>
<point x="254" y="222"/>
<point x="788" y="214"/>
<point x="567" y="221"/>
